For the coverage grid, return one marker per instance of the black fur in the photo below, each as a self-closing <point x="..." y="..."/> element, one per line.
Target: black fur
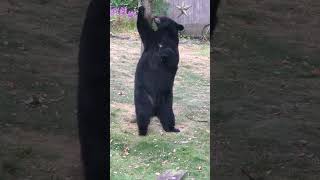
<point x="93" y="118"/>
<point x="156" y="71"/>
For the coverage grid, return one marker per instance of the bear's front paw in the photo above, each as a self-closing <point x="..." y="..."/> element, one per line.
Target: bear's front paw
<point x="141" y="10"/>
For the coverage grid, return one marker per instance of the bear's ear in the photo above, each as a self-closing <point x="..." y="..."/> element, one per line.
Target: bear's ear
<point x="180" y="27"/>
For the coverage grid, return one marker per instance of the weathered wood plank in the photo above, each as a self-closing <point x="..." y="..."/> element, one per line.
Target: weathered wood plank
<point x="198" y="14"/>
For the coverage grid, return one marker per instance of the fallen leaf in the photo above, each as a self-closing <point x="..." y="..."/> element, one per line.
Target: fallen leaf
<point x="303" y="142"/>
<point x="285" y="62"/>
<point x="126" y="151"/>
<point x="316" y="72"/>
<point x="268" y="172"/>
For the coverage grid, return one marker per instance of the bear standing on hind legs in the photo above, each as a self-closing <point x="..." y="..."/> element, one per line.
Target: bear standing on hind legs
<point x="156" y="71"/>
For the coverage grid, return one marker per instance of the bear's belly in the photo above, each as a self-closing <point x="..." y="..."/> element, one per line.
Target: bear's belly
<point x="154" y="77"/>
<point x="159" y="80"/>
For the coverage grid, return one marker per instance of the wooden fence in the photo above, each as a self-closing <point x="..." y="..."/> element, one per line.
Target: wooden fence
<point x="198" y="14"/>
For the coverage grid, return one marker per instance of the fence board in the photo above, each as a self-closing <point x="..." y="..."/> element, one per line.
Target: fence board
<point x="198" y="14"/>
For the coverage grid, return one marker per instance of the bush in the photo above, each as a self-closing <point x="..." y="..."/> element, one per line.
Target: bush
<point x="130" y="4"/>
<point x="123" y="13"/>
<point x="122" y="19"/>
<point x="160" y="8"/>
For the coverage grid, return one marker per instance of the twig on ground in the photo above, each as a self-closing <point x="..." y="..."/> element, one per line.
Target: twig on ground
<point x="118" y="37"/>
<point x="190" y="118"/>
<point x="247" y="174"/>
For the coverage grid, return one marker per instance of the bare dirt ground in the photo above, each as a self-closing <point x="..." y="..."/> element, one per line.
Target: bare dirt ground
<point x="38" y="58"/>
<point x="266" y="96"/>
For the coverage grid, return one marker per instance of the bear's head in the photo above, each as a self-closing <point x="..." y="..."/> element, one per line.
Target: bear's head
<point x="167" y="27"/>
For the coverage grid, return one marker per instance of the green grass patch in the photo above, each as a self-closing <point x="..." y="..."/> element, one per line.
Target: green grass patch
<point x="142" y="158"/>
<point x="204" y="50"/>
<point x="123" y="24"/>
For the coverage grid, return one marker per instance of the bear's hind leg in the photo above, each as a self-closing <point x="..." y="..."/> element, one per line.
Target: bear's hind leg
<point x="143" y="121"/>
<point x="167" y="118"/>
<point x="143" y="112"/>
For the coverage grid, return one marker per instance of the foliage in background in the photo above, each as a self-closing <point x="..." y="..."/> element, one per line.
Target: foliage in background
<point x="122" y="19"/>
<point x="130" y="4"/>
<point x="160" y="8"/>
<point x="123" y="13"/>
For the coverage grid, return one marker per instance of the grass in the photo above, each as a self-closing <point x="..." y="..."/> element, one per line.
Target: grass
<point x="123" y="24"/>
<point x="154" y="154"/>
<point x="134" y="157"/>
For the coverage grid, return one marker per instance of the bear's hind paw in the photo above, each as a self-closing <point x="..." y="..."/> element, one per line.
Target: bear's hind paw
<point x="173" y="130"/>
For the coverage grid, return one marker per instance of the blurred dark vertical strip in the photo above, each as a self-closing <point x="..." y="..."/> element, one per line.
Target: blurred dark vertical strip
<point x="213" y="129"/>
<point x="214" y="17"/>
<point x="93" y="96"/>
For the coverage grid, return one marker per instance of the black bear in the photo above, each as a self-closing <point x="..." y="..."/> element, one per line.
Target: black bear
<point x="156" y="71"/>
<point x="93" y="118"/>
